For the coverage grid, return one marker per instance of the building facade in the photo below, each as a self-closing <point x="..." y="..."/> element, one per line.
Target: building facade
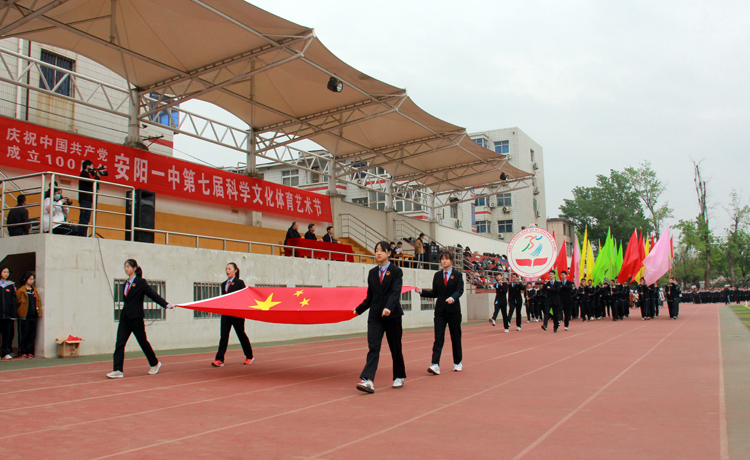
<point x="564" y="231"/>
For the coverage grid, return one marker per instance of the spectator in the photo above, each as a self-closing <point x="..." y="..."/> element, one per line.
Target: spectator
<point x="328" y="237"/>
<point x="419" y="250"/>
<point x="18" y="218"/>
<point x="292" y="232"/>
<point x="399" y="248"/>
<point x="29" y="309"/>
<point x="59" y="214"/>
<point x="310" y="235"/>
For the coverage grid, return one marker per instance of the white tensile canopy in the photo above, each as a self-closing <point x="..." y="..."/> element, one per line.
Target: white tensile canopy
<point x="269" y="72"/>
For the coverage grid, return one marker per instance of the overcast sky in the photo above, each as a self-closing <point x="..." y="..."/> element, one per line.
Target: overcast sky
<point x="599" y="85"/>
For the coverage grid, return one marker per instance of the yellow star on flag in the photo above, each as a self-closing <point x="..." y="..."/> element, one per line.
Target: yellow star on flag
<point x="305" y="302"/>
<point x="265" y="305"/>
<point x="297" y="294"/>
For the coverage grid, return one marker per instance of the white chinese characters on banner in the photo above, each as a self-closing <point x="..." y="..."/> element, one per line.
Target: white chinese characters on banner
<point x="41" y="149"/>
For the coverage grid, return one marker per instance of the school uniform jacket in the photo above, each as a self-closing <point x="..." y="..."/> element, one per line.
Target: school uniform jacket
<point x="133" y="304"/>
<point x="385" y="295"/>
<point x="552" y="291"/>
<point x="236" y="285"/>
<point x="501" y="293"/>
<point x="441" y="291"/>
<point x="515" y="291"/>
<point x="566" y="292"/>
<point x="8" y="301"/>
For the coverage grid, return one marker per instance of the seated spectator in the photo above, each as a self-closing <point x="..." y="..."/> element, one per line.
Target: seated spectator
<point x="310" y="235"/>
<point x="292" y="232"/>
<point x="18" y="218"/>
<point x="399" y="248"/>
<point x="328" y="237"/>
<point x="393" y="247"/>
<point x="59" y="214"/>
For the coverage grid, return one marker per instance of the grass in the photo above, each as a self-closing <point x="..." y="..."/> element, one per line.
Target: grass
<point x="743" y="313"/>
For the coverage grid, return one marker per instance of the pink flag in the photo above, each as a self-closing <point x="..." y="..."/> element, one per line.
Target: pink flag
<point x="575" y="264"/>
<point x="657" y="261"/>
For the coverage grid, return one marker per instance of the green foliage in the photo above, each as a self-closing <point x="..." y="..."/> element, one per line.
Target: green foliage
<point x="612" y="204"/>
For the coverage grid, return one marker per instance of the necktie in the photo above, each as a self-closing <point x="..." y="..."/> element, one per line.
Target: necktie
<point x="381" y="276"/>
<point x="445" y="278"/>
<point x="127" y="287"/>
<point x="227" y="289"/>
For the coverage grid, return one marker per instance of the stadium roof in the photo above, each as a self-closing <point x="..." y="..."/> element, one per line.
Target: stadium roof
<point x="269" y="72"/>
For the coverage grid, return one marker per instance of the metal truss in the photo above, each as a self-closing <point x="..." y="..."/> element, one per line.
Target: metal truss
<point x="85" y="90"/>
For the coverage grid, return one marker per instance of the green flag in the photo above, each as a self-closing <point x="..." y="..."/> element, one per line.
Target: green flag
<point x="605" y="261"/>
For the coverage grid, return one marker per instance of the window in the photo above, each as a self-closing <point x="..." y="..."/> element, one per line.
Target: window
<point x="290" y="177"/>
<point x="360" y="201"/>
<point x="481" y="201"/>
<point x="569" y="248"/>
<point x="504" y="199"/>
<point x="473" y="215"/>
<point x="454" y="211"/>
<point x="505" y="226"/>
<point x="502" y="147"/>
<point x="481" y="141"/>
<point x="315" y="175"/>
<point x="361" y="174"/>
<point x="532" y="155"/>
<point x="203" y="291"/>
<point x="376" y="200"/>
<point x="483" y="226"/>
<point x="152" y="310"/>
<point x="425" y="303"/>
<point x="53" y="79"/>
<point x="406" y="301"/>
<point x="165" y="117"/>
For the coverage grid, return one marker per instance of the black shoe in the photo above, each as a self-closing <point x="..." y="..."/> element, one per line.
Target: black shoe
<point x="555" y="330"/>
<point x="544" y="328"/>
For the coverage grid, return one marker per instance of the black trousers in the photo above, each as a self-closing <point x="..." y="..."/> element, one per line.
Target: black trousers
<point x="393" y="332"/>
<point x="84" y="217"/>
<point x="585" y="302"/>
<point x="138" y="328"/>
<point x="502" y="308"/>
<point x="453" y="321"/>
<point x="674" y="308"/>
<point x="567" y="309"/>
<point x="538" y="304"/>
<point x="555" y="314"/>
<point x="227" y="323"/>
<point x="529" y="310"/>
<point x="6" y="339"/>
<point x="514" y="306"/>
<point x="647" y="308"/>
<point x="26" y="336"/>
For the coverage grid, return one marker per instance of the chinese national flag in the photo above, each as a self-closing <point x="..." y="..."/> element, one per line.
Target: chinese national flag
<point x="287" y="305"/>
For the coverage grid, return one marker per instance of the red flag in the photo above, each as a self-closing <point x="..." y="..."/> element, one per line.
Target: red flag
<point x="561" y="264"/>
<point x="288" y="305"/>
<point x="630" y="259"/>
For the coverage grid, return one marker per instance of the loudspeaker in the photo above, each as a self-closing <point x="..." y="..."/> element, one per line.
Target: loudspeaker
<point x="144" y="215"/>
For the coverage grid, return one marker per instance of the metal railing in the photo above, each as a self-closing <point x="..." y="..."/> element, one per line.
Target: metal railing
<point x="405" y="230"/>
<point x="352" y="227"/>
<point x="46" y="188"/>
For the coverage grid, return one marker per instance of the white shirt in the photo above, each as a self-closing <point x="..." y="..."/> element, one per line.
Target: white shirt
<point x="59" y="213"/>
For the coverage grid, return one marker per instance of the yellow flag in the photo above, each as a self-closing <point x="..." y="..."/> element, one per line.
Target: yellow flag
<point x="590" y="262"/>
<point x="638" y="277"/>
<point x="582" y="268"/>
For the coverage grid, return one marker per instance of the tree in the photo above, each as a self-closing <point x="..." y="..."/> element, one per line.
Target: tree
<point x="649" y="189"/>
<point x="703" y="229"/>
<point x="689" y="266"/>
<point x="735" y="246"/>
<point x="611" y="204"/>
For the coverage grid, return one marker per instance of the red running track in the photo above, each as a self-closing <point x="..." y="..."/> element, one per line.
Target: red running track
<point x="603" y="390"/>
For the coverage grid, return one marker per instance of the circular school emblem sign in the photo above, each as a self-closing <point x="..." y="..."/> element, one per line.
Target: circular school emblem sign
<point x="532" y="252"/>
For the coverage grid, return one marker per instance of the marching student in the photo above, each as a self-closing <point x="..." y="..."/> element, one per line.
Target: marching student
<point x="566" y="297"/>
<point x="501" y="301"/>
<point x="29" y="310"/>
<point x="131" y="319"/>
<point x="673" y="298"/>
<point x="528" y="300"/>
<point x="232" y="284"/>
<point x="552" y="303"/>
<point x="644" y="300"/>
<point x="384" y="284"/>
<point x="447" y="287"/>
<point x="515" y="296"/>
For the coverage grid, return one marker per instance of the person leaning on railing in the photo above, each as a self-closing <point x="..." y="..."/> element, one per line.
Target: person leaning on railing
<point x="18" y="218"/>
<point x="59" y="214"/>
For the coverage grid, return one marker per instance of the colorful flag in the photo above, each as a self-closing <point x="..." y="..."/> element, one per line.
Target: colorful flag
<point x="605" y="261"/>
<point x="644" y="254"/>
<point x="657" y="262"/>
<point x="590" y="262"/>
<point x="575" y="264"/>
<point x="582" y="266"/>
<point x="561" y="263"/>
<point x="287" y="305"/>
<point x="630" y="259"/>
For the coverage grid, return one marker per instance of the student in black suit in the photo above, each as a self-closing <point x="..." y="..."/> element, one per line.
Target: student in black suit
<point x="384" y="284"/>
<point x="501" y="301"/>
<point x="448" y="287"/>
<point x="131" y="319"/>
<point x="328" y="237"/>
<point x="232" y="284"/>
<point x="552" y="301"/>
<point x="566" y="297"/>
<point x="673" y="298"/>
<point x="515" y="299"/>
<point x="310" y="235"/>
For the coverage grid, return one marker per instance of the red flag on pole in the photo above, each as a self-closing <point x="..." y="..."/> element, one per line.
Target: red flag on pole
<point x="561" y="264"/>
<point x="630" y="259"/>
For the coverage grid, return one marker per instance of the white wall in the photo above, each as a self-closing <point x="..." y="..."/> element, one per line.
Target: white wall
<point x="75" y="278"/>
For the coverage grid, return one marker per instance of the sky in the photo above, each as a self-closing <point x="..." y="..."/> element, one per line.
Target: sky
<point x="599" y="85"/>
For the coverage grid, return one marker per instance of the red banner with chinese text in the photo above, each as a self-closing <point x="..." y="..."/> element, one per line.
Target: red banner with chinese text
<point x="37" y="148"/>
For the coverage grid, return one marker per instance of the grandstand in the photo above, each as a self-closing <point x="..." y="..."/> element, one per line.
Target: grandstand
<point x="85" y="76"/>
